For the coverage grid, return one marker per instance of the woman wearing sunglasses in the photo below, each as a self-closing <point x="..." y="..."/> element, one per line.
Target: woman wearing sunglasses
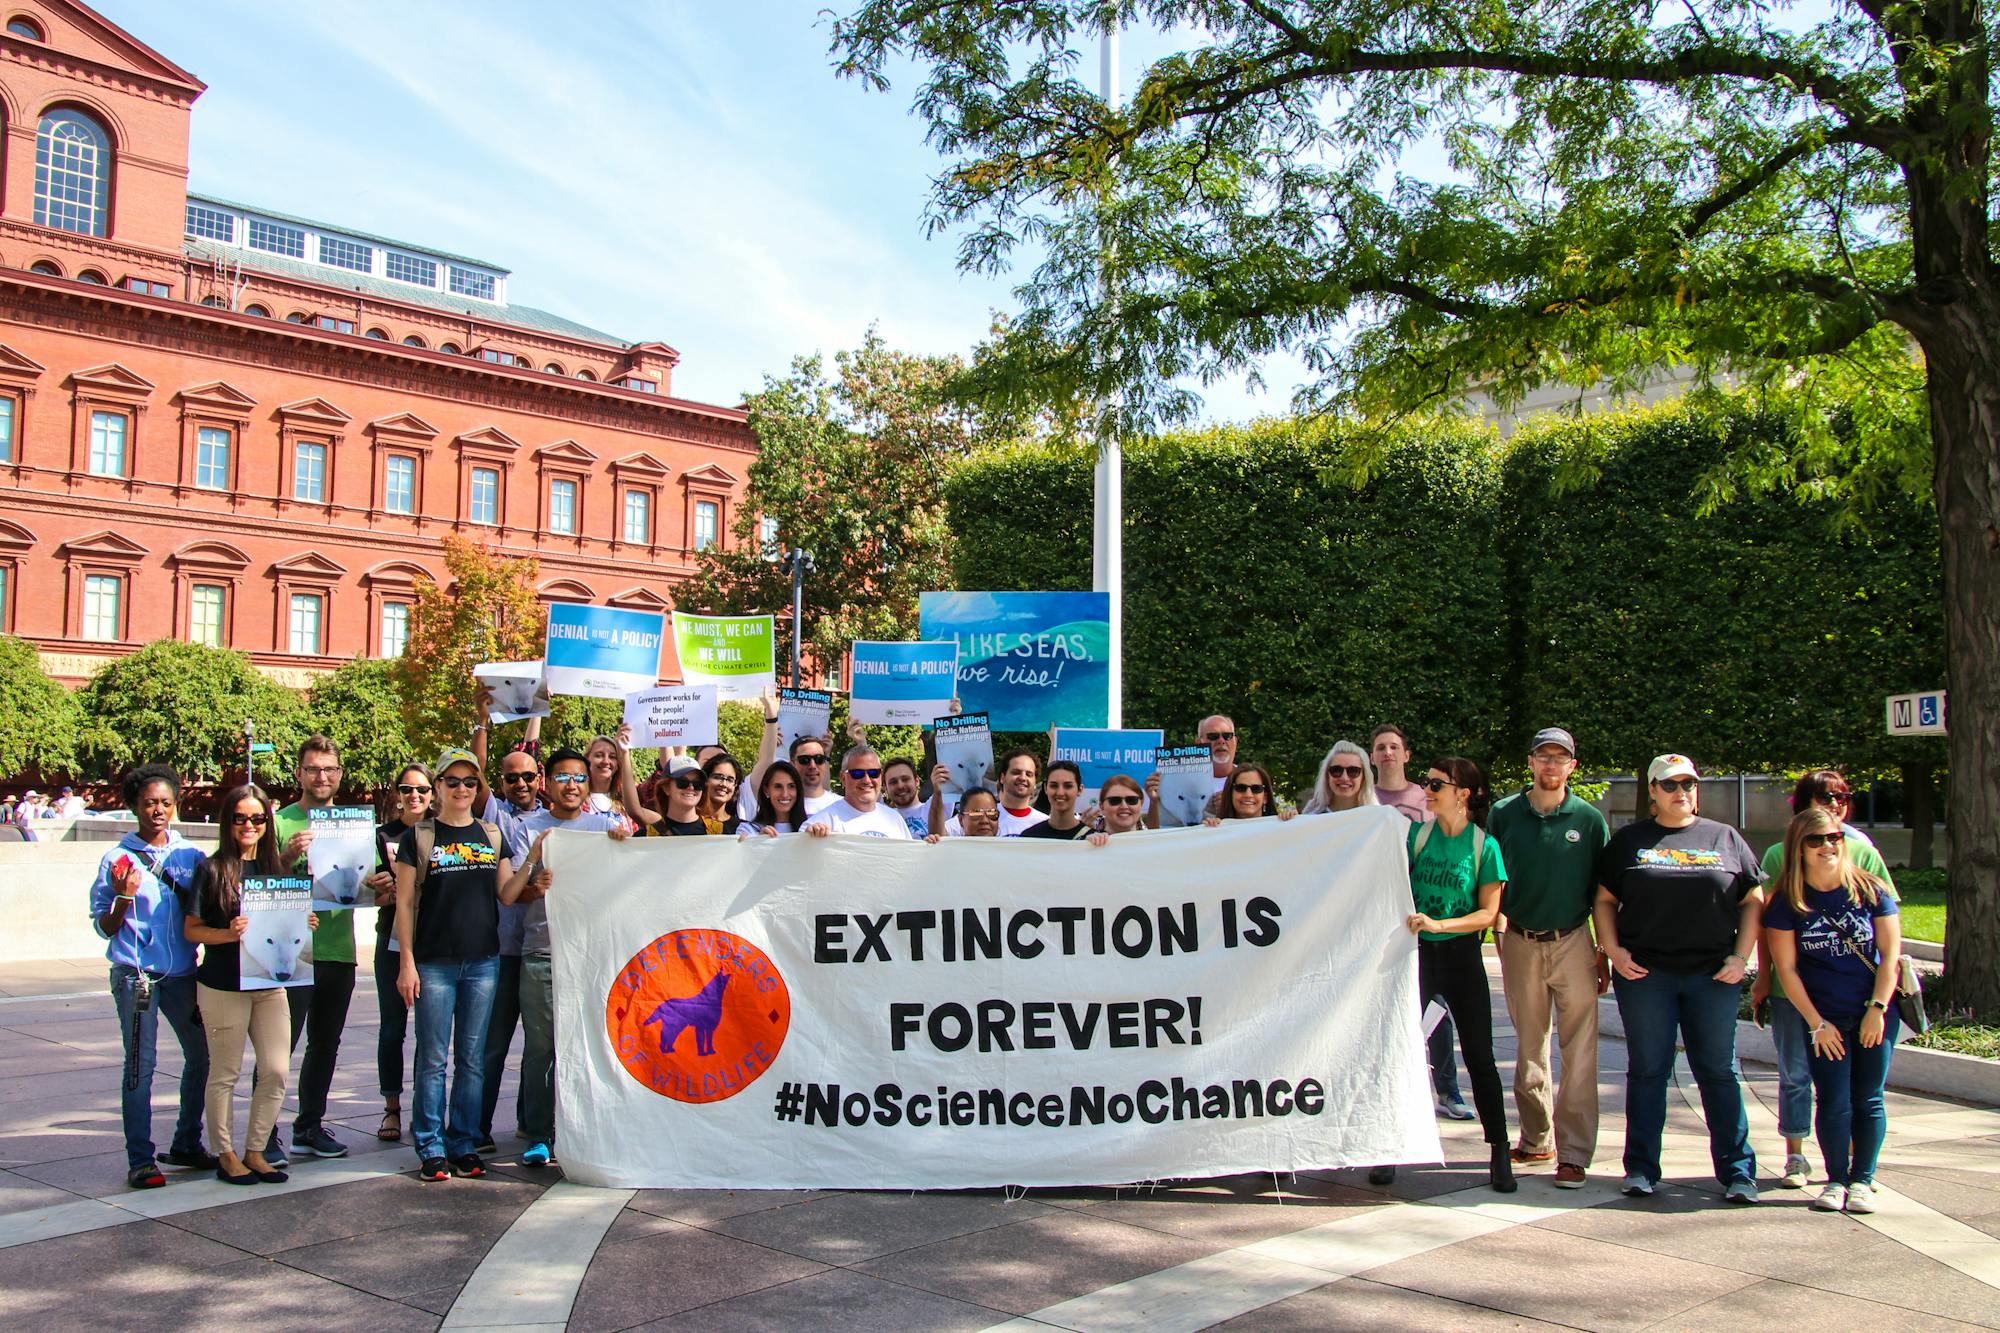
<point x="215" y="921"/>
<point x="410" y="803"/>
<point x="680" y="793"/>
<point x="780" y="806"/>
<point x="1822" y="789"/>
<point x="1122" y="802"/>
<point x="1249" y="793"/>
<point x="1678" y="905"/>
<point x="1344" y="781"/>
<point x="1456" y="876"/>
<point x="1833" y="932"/>
<point x="979" y="813"/>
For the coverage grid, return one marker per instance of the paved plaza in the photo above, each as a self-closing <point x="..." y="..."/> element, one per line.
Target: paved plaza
<point x="360" y="1244"/>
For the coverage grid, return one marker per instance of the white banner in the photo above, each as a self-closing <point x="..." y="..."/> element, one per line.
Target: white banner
<point x="855" y="1013"/>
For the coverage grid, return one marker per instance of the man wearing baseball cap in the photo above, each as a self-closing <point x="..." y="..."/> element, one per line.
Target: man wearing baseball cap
<point x="1550" y="965"/>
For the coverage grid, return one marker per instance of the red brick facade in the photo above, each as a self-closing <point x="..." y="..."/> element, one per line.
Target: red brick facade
<point x="170" y="467"/>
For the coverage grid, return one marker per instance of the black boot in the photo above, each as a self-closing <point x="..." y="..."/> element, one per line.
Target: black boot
<point x="1381" y="1175"/>
<point x="1503" y="1170"/>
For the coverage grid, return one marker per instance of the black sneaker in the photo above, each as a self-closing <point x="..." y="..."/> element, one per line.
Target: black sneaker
<point x="274" y="1152"/>
<point x="486" y="1145"/>
<point x="317" y="1142"/>
<point x="196" y="1158"/>
<point x="468" y="1167"/>
<point x="434" y="1168"/>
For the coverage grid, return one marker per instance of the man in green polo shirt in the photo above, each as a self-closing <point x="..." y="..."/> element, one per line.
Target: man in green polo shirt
<point x="1549" y="959"/>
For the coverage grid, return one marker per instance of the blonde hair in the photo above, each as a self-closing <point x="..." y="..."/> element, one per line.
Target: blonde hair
<point x="1861" y="886"/>
<point x="1321" y="802"/>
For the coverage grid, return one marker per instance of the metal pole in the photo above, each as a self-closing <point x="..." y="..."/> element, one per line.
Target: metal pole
<point x="798" y="610"/>
<point x="1107" y="544"/>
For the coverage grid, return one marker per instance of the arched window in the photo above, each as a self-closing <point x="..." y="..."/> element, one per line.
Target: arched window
<point x="25" y="27"/>
<point x="451" y="348"/>
<point x="296" y="317"/>
<point x="213" y="302"/>
<point x="552" y="369"/>
<point x="91" y="275"/>
<point x="257" y="310"/>
<point x="43" y="266"/>
<point x="73" y="173"/>
<point x="585" y="375"/>
<point x="379" y="335"/>
<point x="413" y="341"/>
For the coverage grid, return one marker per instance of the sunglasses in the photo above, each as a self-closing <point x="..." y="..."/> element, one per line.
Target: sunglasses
<point x="254" y="821"/>
<point x="570" y="779"/>
<point x="979" y="814"/>
<point x="1817" y="840"/>
<point x="1254" y="788"/>
<point x="690" y="782"/>
<point x="1343" y="771"/>
<point x="511" y="778"/>
<point x="458" y="784"/>
<point x="1678" y="784"/>
<point x="870" y="774"/>
<point x="1119" y="800"/>
<point x="1218" y="735"/>
<point x="808" y="758"/>
<point x="411" y="789"/>
<point x="1435" y="784"/>
<point x="1838" y="797"/>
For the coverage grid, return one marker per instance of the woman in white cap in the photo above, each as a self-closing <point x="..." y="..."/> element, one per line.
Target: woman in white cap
<point x="1678" y="906"/>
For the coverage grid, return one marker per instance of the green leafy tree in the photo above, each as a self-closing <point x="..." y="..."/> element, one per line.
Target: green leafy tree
<point x="851" y="468"/>
<point x="359" y="708"/>
<point x="185" y="704"/>
<point x="38" y="717"/>
<point x="487" y="612"/>
<point x="1796" y="196"/>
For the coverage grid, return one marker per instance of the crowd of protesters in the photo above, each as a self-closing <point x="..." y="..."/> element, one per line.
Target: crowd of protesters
<point x="1668" y="913"/>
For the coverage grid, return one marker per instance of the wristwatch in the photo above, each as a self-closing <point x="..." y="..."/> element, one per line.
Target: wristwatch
<point x="1874" y="1003"/>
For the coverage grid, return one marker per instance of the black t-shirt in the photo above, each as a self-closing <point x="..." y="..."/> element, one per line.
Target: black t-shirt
<point x="387" y="836"/>
<point x="458" y="908"/>
<point x="680" y="828"/>
<point x="1680" y="891"/>
<point x="221" y="966"/>
<point x="1047" y="829"/>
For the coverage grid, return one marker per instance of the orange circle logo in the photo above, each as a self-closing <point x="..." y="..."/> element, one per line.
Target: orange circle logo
<point x="698" y="1015"/>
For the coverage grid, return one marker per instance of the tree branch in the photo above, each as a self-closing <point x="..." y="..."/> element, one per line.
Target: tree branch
<point x="1767" y="171"/>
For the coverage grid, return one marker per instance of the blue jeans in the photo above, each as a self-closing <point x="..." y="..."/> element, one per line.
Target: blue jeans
<point x="1850" y="1102"/>
<point x="500" y="1025"/>
<point x="452" y="991"/>
<point x="538" y="1049"/>
<point x="1795" y="1081"/>
<point x="173" y="997"/>
<point x="1444" y="1058"/>
<point x="1703" y="1011"/>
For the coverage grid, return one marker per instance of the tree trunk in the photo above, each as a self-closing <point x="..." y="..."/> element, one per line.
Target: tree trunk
<point x="1920" y="809"/>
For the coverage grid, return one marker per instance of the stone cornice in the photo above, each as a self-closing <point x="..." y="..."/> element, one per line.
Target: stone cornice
<point x="154" y="87"/>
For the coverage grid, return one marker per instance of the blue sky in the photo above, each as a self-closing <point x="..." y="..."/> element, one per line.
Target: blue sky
<point x="690" y="172"/>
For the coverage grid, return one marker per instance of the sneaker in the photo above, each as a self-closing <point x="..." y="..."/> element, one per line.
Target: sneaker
<point x="538" y="1155"/>
<point x="1381" y="1175"/>
<point x="197" y="1158"/>
<point x="1454" y="1108"/>
<point x="1569" y="1177"/>
<point x="146" y="1177"/>
<point x="1860" y="1197"/>
<point x="1741" y="1191"/>
<point x="274" y="1152"/>
<point x="486" y="1145"/>
<point x="468" y="1166"/>
<point x="316" y="1143"/>
<point x="1637" y="1187"/>
<point x="434" y="1168"/>
<point x="1798" y="1172"/>
<point x="1523" y="1157"/>
<point x="1832" y="1199"/>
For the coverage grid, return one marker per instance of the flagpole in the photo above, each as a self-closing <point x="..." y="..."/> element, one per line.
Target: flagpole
<point x="1107" y="546"/>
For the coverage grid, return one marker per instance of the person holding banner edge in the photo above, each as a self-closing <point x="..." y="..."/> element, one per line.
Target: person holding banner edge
<point x="1062" y="787"/>
<point x="1250" y="793"/>
<point x="1344" y="782"/>
<point x="779" y="809"/>
<point x="858" y="811"/>
<point x="1122" y="801"/>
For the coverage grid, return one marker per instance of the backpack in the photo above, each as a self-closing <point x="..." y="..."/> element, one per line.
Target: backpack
<point x="426" y="831"/>
<point x="1478" y="846"/>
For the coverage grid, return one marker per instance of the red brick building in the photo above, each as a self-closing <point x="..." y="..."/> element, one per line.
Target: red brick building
<point x="227" y="424"/>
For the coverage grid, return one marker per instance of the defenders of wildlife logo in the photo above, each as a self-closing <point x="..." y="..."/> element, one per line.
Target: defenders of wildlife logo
<point x="698" y="1015"/>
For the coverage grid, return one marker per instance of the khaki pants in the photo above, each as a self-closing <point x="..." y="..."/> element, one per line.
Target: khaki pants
<point x="228" y="1015"/>
<point x="1534" y="974"/>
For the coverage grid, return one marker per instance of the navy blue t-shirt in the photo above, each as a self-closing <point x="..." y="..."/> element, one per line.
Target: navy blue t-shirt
<point x="1838" y="983"/>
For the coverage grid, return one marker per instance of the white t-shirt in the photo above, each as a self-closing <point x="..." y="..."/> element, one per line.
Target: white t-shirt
<point x="815" y="804"/>
<point x="881" y="822"/>
<point x="917" y="815"/>
<point x="1011" y="824"/>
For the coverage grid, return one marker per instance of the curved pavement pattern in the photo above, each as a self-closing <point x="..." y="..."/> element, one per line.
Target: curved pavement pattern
<point x="359" y="1243"/>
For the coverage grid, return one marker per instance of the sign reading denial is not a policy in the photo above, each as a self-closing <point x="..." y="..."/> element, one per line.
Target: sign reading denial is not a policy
<point x="602" y="651"/>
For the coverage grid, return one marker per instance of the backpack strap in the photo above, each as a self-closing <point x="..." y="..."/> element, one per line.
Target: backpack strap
<point x="1424" y="828"/>
<point x="426" y="837"/>
<point x="1478" y="845"/>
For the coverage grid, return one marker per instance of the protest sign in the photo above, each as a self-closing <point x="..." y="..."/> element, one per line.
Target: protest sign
<point x="601" y="651"/>
<point x="906" y="683"/>
<point x="1100" y="754"/>
<point x="341" y="855"/>
<point x="276" y="948"/>
<point x="733" y="653"/>
<point x="1187" y="781"/>
<point x="871" y="1013"/>
<point x="965" y="746"/>
<point x="520" y="690"/>
<point x="1029" y="660"/>
<point x="672" y="715"/>
<point x="803" y="713"/>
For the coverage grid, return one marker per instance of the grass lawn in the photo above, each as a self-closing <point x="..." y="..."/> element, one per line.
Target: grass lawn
<point x="1921" y="894"/>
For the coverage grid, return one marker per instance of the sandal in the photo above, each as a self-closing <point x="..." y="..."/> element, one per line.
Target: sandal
<point x="391" y="1128"/>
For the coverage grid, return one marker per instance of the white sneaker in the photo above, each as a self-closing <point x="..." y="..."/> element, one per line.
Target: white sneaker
<point x="1861" y="1197"/>
<point x="1637" y="1187"/>
<point x="1798" y="1172"/>
<point x="1832" y="1199"/>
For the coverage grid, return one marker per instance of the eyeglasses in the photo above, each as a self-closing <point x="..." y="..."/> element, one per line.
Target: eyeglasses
<point x="1435" y="784"/>
<point x="411" y="789"/>
<point x="1838" y="798"/>
<point x="1218" y="735"/>
<point x="691" y="781"/>
<point x="1254" y="788"/>
<point x="1343" y="771"/>
<point x="867" y="774"/>
<point x="458" y="784"/>
<point x="569" y="779"/>
<point x="512" y="778"/>
<point x="322" y="771"/>
<point x="254" y="821"/>
<point x="1119" y="800"/>
<point x="1678" y="784"/>
<point x="718" y="779"/>
<point x="1552" y="757"/>
<point x="808" y="758"/>
<point x="979" y="814"/>
<point x="1817" y="840"/>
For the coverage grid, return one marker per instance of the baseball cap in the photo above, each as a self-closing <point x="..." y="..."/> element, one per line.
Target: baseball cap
<point x="69" y="791"/>
<point x="1670" y="766"/>
<point x="1554" y="736"/>
<point x="453" y="754"/>
<point x="679" y="764"/>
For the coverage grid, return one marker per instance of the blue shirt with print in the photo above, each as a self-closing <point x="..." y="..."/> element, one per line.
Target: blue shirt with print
<point x="1838" y="982"/>
<point x="152" y="937"/>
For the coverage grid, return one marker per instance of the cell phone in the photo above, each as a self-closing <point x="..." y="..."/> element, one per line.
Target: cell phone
<point x="1762" y="1012"/>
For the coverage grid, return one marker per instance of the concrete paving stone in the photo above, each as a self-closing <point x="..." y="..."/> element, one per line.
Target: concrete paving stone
<point x="398" y="1261"/>
<point x="1599" y="1286"/>
<point x="438" y="1300"/>
<point x="682" y="1268"/>
<point x="843" y="1229"/>
<point x="702" y="1207"/>
<point x="61" y="1059"/>
<point x="1369" y="1307"/>
<point x="631" y="1225"/>
<point x="1040" y="1262"/>
<point x="30" y="1149"/>
<point x="251" y="1293"/>
<point x="18" y="1194"/>
<point x="45" y="1275"/>
<point x="1415" y="1182"/>
<point x="1960" y="1194"/>
<point x="1200" y="1215"/>
<point x="100" y="1175"/>
<point x="1694" y="1225"/>
<point x="839" y="1299"/>
<point x="1775" y="1304"/>
<point x="285" y="1222"/>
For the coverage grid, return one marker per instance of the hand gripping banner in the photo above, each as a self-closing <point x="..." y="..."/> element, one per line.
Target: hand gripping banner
<point x="850" y="1012"/>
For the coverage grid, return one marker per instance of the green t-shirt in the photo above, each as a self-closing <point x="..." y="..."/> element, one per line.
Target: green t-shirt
<point x="1860" y="850"/>
<point x="333" y="942"/>
<point x="1551" y="860"/>
<point x="1442" y="880"/>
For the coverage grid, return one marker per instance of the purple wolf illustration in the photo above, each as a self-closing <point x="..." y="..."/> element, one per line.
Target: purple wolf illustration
<point x="700" y="1011"/>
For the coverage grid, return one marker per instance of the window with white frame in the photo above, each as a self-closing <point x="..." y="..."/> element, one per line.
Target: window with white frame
<point x="562" y="506"/>
<point x="395" y="628"/>
<point x="205" y="601"/>
<point x="399" y="485"/>
<point x="107" y="443"/>
<point x="833" y="675"/>
<point x="7" y="454"/>
<point x="103" y="598"/>
<point x="346" y="254"/>
<point x="767" y="537"/>
<point x="277" y="239"/>
<point x="706" y="516"/>
<point x="639" y="517"/>
<point x="485" y="506"/>
<point x="210" y="224"/>
<point x="309" y="471"/>
<point x="306" y="614"/>
<point x="470" y="282"/>
<point x="211" y="458"/>
<point x="72" y="173"/>
<point x="409" y="268"/>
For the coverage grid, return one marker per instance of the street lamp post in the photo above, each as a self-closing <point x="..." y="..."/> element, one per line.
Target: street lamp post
<point x="801" y="562"/>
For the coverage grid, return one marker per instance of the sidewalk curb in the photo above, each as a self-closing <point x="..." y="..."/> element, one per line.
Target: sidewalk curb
<point x="1966" y="1078"/>
<point x="1924" y="951"/>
